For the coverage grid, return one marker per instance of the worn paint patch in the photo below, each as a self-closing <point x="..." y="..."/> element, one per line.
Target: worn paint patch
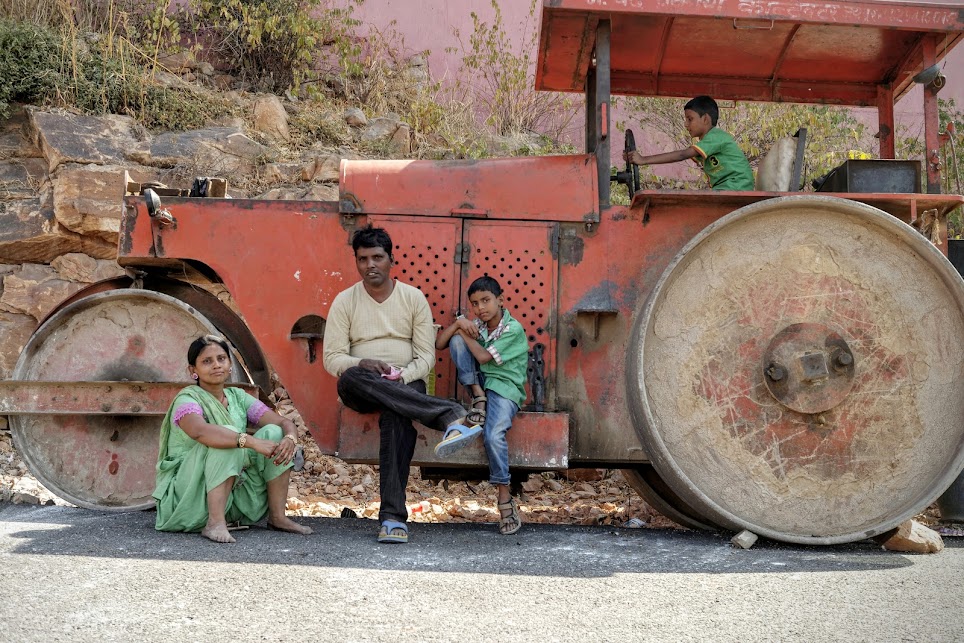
<point x="572" y="247"/>
<point x="599" y="299"/>
<point x="126" y="243"/>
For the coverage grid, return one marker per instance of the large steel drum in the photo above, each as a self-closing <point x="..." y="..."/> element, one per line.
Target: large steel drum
<point x="798" y="371"/>
<point x="104" y="461"/>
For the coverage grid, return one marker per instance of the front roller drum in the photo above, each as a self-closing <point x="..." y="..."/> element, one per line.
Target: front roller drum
<point x="103" y="461"/>
<point x="798" y="371"/>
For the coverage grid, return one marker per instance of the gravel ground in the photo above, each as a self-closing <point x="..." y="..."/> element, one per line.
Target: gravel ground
<point x="328" y="485"/>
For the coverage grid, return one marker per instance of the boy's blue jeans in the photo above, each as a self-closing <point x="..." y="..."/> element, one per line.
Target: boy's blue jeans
<point x="498" y="412"/>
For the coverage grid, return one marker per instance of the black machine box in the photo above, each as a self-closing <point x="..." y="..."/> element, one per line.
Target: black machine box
<point x="874" y="175"/>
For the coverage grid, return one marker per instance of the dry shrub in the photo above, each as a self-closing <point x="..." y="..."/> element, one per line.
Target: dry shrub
<point x="42" y="13"/>
<point x="502" y="88"/>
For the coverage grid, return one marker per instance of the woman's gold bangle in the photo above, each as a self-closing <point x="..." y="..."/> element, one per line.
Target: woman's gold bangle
<point x="293" y="439"/>
<point x="242" y="438"/>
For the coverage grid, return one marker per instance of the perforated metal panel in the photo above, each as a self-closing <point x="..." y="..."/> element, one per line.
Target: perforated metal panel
<point x="519" y="256"/>
<point x="425" y="258"/>
<point x="429" y="255"/>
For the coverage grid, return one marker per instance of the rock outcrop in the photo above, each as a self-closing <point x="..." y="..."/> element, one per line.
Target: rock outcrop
<point x="63" y="179"/>
<point x="73" y="138"/>
<point x="270" y="118"/>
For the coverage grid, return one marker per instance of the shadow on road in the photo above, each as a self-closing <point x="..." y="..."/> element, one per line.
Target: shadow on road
<point x="551" y="550"/>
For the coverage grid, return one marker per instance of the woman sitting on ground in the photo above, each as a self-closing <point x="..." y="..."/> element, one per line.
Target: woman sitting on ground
<point x="210" y="472"/>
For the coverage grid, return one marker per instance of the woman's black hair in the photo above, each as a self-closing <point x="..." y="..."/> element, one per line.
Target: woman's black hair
<point x="200" y="343"/>
<point x="485" y="284"/>
<point x="370" y="237"/>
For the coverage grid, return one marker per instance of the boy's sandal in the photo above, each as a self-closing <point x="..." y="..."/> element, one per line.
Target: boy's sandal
<point x="477" y="414"/>
<point x="393" y="531"/>
<point x="456" y="437"/>
<point x="510" y="523"/>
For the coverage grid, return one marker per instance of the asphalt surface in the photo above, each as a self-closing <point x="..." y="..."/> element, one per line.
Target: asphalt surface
<point x="71" y="574"/>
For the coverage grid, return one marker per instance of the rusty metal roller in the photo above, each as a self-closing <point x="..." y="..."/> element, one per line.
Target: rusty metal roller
<point x="798" y="371"/>
<point x="98" y="459"/>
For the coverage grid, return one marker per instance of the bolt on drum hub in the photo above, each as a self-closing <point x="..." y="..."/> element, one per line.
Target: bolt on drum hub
<point x="808" y="368"/>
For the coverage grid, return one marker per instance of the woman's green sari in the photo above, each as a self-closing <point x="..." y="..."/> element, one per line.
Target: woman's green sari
<point x="187" y="470"/>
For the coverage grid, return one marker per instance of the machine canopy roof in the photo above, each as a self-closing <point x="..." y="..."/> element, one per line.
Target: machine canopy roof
<point x="818" y="51"/>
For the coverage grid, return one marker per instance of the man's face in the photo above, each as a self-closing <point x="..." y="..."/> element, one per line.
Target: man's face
<point x="374" y="266"/>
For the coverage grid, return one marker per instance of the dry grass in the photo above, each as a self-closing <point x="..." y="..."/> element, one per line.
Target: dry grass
<point x="43" y="13"/>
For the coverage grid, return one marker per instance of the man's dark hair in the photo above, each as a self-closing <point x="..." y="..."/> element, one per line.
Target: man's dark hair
<point x="372" y="238"/>
<point x="201" y="343"/>
<point x="704" y="105"/>
<point x="485" y="284"/>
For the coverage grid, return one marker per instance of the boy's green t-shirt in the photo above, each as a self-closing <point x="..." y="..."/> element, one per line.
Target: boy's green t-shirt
<point x="505" y="373"/>
<point x="723" y="161"/>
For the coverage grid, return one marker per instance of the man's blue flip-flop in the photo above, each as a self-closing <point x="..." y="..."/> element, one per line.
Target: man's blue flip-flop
<point x="456" y="437"/>
<point x="388" y="533"/>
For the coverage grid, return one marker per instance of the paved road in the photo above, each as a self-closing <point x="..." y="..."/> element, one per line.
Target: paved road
<point x="77" y="575"/>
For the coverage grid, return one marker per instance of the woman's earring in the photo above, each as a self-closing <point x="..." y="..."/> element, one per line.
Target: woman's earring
<point x="194" y="375"/>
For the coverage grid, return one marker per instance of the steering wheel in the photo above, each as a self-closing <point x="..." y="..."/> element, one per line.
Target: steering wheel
<point x="629" y="177"/>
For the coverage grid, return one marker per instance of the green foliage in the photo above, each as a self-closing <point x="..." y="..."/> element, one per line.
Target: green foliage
<point x="502" y="84"/>
<point x="29" y="64"/>
<point x="832" y="132"/>
<point x="910" y="144"/>
<point x="543" y="146"/>
<point x="43" y="66"/>
<point x="274" y="44"/>
<point x="952" y="123"/>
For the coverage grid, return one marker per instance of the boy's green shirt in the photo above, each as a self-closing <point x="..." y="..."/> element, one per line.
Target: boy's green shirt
<point x="723" y="161"/>
<point x="505" y="373"/>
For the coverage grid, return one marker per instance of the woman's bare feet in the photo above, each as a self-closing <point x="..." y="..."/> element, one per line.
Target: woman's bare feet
<point x="287" y="524"/>
<point x="218" y="533"/>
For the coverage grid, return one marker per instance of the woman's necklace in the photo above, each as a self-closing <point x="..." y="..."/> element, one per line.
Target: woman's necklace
<point x="222" y="399"/>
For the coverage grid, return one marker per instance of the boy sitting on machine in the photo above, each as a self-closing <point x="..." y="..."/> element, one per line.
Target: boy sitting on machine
<point x="491" y="355"/>
<point x="716" y="152"/>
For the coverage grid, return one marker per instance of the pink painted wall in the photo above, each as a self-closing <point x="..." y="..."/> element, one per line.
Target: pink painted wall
<point x="430" y="24"/>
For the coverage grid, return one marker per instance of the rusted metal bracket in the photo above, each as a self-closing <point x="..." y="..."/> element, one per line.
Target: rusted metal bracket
<point x="91" y="398"/>
<point x="535" y="372"/>
<point x="463" y="252"/>
<point x="468" y="212"/>
<point x="642" y="203"/>
<point x="596" y="315"/>
<point x="595" y="308"/>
